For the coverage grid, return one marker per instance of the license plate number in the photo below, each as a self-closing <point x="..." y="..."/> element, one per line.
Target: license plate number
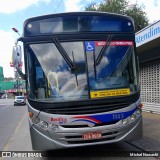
<point x="91" y="135"/>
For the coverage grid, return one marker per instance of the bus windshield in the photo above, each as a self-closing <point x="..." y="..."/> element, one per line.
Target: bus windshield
<point x="90" y="66"/>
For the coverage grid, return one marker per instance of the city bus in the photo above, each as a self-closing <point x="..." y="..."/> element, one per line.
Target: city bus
<point x="82" y="79"/>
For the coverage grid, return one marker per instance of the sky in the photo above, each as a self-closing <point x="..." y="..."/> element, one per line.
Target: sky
<point x="13" y="13"/>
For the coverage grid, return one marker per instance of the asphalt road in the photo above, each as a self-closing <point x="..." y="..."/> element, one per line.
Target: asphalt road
<point x="10" y="117"/>
<point x="14" y="136"/>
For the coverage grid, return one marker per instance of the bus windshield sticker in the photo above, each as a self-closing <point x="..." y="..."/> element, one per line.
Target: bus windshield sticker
<point x="121" y="43"/>
<point x="109" y="93"/>
<point x="89" y="46"/>
<point x="114" y="43"/>
<point x="100" y="43"/>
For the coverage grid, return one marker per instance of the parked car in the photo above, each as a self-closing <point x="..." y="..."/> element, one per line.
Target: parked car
<point x="20" y="100"/>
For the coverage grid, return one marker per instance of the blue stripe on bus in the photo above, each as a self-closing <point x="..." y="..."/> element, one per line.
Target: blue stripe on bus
<point x="103" y="118"/>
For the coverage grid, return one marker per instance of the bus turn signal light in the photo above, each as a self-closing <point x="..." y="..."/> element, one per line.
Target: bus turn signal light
<point x="30" y="114"/>
<point x="141" y="105"/>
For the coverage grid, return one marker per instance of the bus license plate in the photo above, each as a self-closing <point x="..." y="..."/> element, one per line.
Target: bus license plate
<point x="91" y="135"/>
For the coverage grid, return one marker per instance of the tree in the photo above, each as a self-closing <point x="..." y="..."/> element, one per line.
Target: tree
<point x="8" y="79"/>
<point x="122" y="7"/>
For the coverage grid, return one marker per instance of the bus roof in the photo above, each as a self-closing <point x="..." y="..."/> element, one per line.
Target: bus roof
<point x="78" y="13"/>
<point x="72" y="22"/>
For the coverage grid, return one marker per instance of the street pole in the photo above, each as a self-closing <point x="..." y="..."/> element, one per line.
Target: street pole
<point x="17" y="88"/>
<point x="6" y="88"/>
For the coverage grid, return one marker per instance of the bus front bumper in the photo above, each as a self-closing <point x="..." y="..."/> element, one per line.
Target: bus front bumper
<point x="44" y="140"/>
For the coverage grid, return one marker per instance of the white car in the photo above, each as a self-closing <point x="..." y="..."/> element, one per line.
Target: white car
<point x="20" y="100"/>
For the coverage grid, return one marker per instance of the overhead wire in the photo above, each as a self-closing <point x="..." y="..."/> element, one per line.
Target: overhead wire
<point x="57" y="6"/>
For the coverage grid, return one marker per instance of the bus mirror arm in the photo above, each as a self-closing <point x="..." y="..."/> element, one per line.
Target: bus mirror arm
<point x="19" y="39"/>
<point x="23" y="76"/>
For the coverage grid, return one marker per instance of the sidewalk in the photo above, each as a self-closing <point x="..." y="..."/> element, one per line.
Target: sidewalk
<point x="151" y="132"/>
<point x="151" y="125"/>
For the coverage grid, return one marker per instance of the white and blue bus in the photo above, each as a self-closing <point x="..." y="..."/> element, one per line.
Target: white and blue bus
<point x="81" y="71"/>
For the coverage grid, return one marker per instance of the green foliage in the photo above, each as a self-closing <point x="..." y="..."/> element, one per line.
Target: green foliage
<point x="114" y="6"/>
<point x="139" y="16"/>
<point x="122" y="7"/>
<point x="91" y="7"/>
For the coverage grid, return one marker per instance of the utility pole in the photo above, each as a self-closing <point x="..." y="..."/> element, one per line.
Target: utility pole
<point x="16" y="78"/>
<point x="17" y="87"/>
<point x="5" y="87"/>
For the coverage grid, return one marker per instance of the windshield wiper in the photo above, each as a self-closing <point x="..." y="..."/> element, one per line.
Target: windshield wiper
<point x="75" y="70"/>
<point x="103" y="51"/>
<point x="63" y="53"/>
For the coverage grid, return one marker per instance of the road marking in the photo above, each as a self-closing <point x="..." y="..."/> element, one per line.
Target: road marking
<point x="15" y="132"/>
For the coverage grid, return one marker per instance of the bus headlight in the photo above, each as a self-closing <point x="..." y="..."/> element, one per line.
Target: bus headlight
<point x="138" y="111"/>
<point x="54" y="127"/>
<point x="133" y="117"/>
<point x="125" y="121"/>
<point x="35" y="120"/>
<point x="43" y="125"/>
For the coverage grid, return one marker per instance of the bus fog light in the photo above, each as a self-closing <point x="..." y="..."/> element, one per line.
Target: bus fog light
<point x="43" y="125"/>
<point x="35" y="120"/>
<point x="133" y="117"/>
<point x="125" y="121"/>
<point x="138" y="111"/>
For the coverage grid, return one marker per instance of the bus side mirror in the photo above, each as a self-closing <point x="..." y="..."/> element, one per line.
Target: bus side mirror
<point x="17" y="59"/>
<point x="17" y="56"/>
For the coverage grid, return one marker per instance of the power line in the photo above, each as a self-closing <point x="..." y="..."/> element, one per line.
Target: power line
<point x="57" y="6"/>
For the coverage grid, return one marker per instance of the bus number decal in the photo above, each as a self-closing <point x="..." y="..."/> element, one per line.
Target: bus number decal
<point x="117" y="116"/>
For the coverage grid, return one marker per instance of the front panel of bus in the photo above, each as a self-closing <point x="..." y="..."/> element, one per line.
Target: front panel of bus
<point x="82" y="80"/>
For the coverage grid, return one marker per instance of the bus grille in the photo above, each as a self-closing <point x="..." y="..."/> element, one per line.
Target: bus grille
<point x="77" y="139"/>
<point x="91" y="141"/>
<point x="79" y="107"/>
<point x="86" y="109"/>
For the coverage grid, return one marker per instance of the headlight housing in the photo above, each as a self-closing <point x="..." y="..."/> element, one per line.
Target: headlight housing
<point x="133" y="117"/>
<point x="35" y="120"/>
<point x="43" y="125"/>
<point x="125" y="121"/>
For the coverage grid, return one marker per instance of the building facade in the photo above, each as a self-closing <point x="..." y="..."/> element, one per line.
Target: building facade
<point x="148" y="48"/>
<point x="13" y="87"/>
<point x="1" y="74"/>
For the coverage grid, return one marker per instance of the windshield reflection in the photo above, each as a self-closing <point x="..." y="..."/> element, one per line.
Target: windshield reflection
<point x="62" y="82"/>
<point x="50" y="76"/>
